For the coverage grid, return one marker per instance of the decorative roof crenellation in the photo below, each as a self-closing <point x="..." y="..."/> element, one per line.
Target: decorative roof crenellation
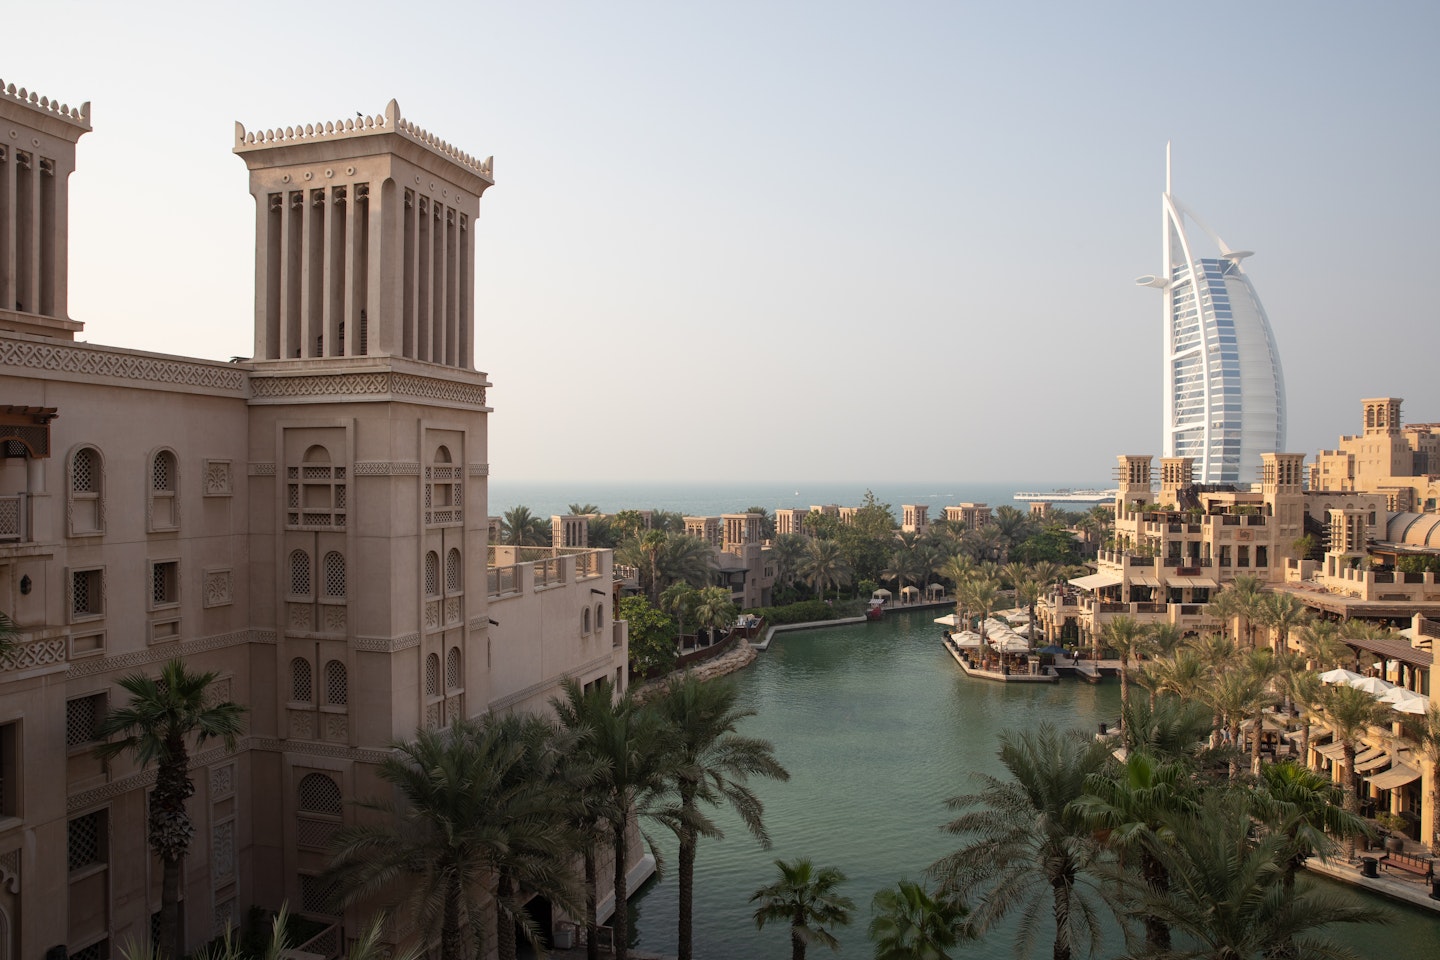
<point x="388" y="122"/>
<point x="79" y="116"/>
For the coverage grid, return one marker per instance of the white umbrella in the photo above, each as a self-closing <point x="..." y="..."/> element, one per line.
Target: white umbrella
<point x="1416" y="705"/>
<point x="1372" y="685"/>
<point x="967" y="639"/>
<point x="1339" y="675"/>
<point x="1012" y="643"/>
<point x="1398" y="694"/>
<point x="948" y="620"/>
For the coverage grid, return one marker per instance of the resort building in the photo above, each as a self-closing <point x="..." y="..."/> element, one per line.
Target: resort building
<point x="310" y="524"/>
<point x="915" y="518"/>
<point x="789" y="520"/>
<point x="971" y="516"/>
<point x="1224" y="392"/>
<point x="1387" y="457"/>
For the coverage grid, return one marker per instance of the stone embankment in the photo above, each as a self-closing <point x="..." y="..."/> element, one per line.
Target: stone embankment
<point x="740" y="657"/>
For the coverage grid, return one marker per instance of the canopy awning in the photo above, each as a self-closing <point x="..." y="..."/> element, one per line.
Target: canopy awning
<point x="1397" y="776"/>
<point x="1192" y="582"/>
<point x="1381" y="759"/>
<point x="1144" y="579"/>
<point x="1096" y="580"/>
<point x="1332" y="751"/>
<point x="1317" y="733"/>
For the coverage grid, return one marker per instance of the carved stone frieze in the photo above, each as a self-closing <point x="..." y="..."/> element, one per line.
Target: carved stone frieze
<point x="367" y="386"/>
<point x="84" y="361"/>
<point x="37" y="653"/>
<point x="93" y="665"/>
<point x="115" y="788"/>
<point x="262" y="469"/>
<point x="387" y="468"/>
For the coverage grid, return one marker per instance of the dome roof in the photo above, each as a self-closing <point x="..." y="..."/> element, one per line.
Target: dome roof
<point x="1414" y="529"/>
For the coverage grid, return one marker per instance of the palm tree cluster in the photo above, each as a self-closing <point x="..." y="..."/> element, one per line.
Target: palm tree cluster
<point x="489" y="812"/>
<point x="1186" y="861"/>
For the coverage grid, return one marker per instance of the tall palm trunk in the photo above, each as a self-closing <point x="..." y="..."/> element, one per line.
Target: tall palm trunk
<point x="1061" y="887"/>
<point x="620" y="919"/>
<point x="451" y="946"/>
<point x="1255" y="736"/>
<point x="688" y="842"/>
<point x="504" y="925"/>
<point x="1157" y="931"/>
<point x="592" y="877"/>
<point x="170" y="832"/>
<point x="1352" y="800"/>
<point x="1125" y="701"/>
<point x="797" y="942"/>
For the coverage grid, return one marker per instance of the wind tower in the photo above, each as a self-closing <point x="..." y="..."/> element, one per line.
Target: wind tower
<point x="1224" y="393"/>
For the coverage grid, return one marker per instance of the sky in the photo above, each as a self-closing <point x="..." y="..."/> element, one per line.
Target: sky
<point x="813" y="241"/>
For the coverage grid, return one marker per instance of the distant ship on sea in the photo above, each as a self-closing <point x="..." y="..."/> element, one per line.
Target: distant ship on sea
<point x="1067" y="496"/>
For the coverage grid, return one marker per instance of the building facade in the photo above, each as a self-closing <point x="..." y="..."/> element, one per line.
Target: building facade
<point x="310" y="524"/>
<point x="1224" y="392"/>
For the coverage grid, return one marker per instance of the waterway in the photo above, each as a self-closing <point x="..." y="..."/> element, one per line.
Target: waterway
<point x="877" y="728"/>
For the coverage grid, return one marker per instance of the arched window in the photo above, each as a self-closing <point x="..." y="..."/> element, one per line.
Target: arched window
<point x="585" y="621"/>
<point x="163" y="508"/>
<point x="599" y="617"/>
<point x="452" y="669"/>
<point x="334" y="574"/>
<point x="442" y="489"/>
<point x="432" y="574"/>
<point x="453" y="578"/>
<point x="318" y="793"/>
<point x="432" y="675"/>
<point x="301" y="687"/>
<point x="299" y="573"/>
<point x="87" y="493"/>
<point x="315" y="492"/>
<point x="336" y="685"/>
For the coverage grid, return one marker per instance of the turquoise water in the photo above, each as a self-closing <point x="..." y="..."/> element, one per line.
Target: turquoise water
<point x="877" y="727"/>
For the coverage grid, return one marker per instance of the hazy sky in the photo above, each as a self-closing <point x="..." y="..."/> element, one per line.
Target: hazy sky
<point x="809" y="241"/>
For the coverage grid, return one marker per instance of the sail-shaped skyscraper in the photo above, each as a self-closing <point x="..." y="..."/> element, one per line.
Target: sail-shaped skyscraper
<point x="1224" y="392"/>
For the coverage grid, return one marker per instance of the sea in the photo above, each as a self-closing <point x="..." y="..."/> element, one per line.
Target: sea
<point x="546" y="499"/>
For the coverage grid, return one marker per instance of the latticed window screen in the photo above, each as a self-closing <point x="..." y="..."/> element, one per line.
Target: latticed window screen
<point x="337" y="689"/>
<point x="96" y="951"/>
<point x="86" y="597"/>
<point x="82" y="719"/>
<point x="300" y="685"/>
<point x="87" y="840"/>
<point x="85" y="472"/>
<point x="432" y="675"/>
<point x="318" y="793"/>
<point x="334" y="574"/>
<point x="165" y="583"/>
<point x="452" y="669"/>
<point x="300" y="573"/>
<point x="162" y="472"/>
<point x="432" y="574"/>
<point x="315" y="895"/>
<point x="315" y="492"/>
<point x="453" y="579"/>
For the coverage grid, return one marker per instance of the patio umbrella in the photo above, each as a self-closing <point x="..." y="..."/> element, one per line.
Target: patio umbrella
<point x="948" y="620"/>
<point x="1339" y="675"/>
<point x="968" y="640"/>
<point x="1373" y="685"/>
<point x="1397" y="694"/>
<point x="1415" y="705"/>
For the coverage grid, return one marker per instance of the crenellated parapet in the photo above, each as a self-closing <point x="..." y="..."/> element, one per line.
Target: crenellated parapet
<point x="78" y="116"/>
<point x="390" y="121"/>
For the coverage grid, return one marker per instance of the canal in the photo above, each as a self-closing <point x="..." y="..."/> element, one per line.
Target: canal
<point x="877" y="727"/>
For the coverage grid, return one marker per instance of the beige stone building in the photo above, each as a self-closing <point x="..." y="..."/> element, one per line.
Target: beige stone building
<point x="1386" y="457"/>
<point x="310" y="524"/>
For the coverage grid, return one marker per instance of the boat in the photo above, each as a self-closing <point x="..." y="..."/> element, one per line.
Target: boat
<point x="1067" y="496"/>
<point x="876" y="610"/>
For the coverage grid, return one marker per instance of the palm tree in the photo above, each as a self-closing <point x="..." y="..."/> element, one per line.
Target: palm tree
<point x="715" y="610"/>
<point x="643" y="553"/>
<point x="806" y="897"/>
<point x="824" y="566"/>
<point x="520" y="528"/>
<point x="1348" y="713"/>
<point x="1030" y="850"/>
<point x="574" y="714"/>
<point x="1265" y="667"/>
<point x="1283" y="612"/>
<point x="910" y="924"/>
<point x="583" y="510"/>
<point x="164" y="715"/>
<point x="1131" y="806"/>
<point x="684" y="557"/>
<point x="1423" y="732"/>
<point x="1234" y="696"/>
<point x="1304" y="689"/>
<point x="787" y="550"/>
<point x="979" y="595"/>
<point x="1126" y="636"/>
<point x="767" y="522"/>
<point x="1320" y="641"/>
<point x="679" y="601"/>
<point x="712" y="765"/>
<point x="1306" y="808"/>
<point x="483" y="811"/>
<point x="627" y="743"/>
<point x="1225" y="898"/>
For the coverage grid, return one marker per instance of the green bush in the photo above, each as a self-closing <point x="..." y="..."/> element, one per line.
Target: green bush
<point x="805" y="611"/>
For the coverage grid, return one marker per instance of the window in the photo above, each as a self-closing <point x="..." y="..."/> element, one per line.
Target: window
<point x="599" y="617"/>
<point x="316" y="492"/>
<point x="164" y="583"/>
<point x="315" y="895"/>
<point x="432" y="675"/>
<point x="82" y="719"/>
<point x="336" y="684"/>
<point x="319" y="793"/>
<point x="453" y="579"/>
<point x="452" y="669"/>
<point x="301" y="687"/>
<point x="10" y="769"/>
<point x="87" y="594"/>
<point x="335" y="574"/>
<point x="163" y="506"/>
<point x="585" y="621"/>
<point x="88" y="840"/>
<point x="299" y="573"/>
<point x="432" y="574"/>
<point x="443" y="486"/>
<point x="87" y="493"/>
